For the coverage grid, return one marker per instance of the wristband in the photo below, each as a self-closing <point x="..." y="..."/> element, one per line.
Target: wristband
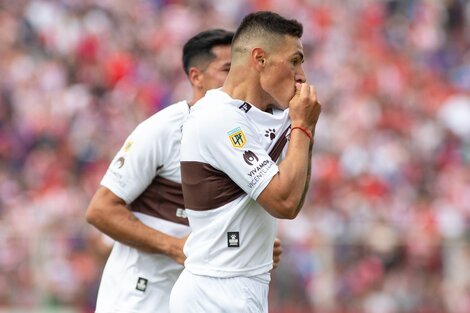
<point x="305" y="130"/>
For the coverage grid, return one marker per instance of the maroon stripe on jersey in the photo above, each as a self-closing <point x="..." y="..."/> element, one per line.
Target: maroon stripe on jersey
<point x="276" y="151"/>
<point x="161" y="199"/>
<point x="205" y="187"/>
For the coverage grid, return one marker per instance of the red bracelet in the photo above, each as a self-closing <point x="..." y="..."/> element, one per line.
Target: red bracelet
<point x="305" y="130"/>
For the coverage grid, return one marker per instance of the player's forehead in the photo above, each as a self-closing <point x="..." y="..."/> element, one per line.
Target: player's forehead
<point x="290" y="46"/>
<point x="222" y="55"/>
<point x="221" y="51"/>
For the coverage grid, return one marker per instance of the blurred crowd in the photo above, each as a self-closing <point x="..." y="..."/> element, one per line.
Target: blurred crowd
<point x="386" y="225"/>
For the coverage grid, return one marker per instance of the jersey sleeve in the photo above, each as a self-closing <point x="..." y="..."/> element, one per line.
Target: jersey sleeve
<point x="135" y="164"/>
<point x="234" y="148"/>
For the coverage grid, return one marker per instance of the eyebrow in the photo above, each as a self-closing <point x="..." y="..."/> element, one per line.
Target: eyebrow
<point x="226" y="64"/>
<point x="298" y="53"/>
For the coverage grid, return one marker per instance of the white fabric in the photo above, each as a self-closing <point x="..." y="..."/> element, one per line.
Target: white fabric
<point x="206" y="139"/>
<point x="202" y="294"/>
<point x="118" y="291"/>
<point x="154" y="144"/>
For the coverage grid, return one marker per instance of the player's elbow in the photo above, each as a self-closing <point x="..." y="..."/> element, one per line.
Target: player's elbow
<point x="282" y="204"/>
<point x="93" y="215"/>
<point x="102" y="207"/>
<point x="285" y="209"/>
<point x="290" y="210"/>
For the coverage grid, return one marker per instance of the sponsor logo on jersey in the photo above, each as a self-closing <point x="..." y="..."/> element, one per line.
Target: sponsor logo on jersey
<point x="119" y="162"/>
<point x="271" y="133"/>
<point x="259" y="168"/>
<point x="141" y="284"/>
<point x="181" y="213"/>
<point x="233" y="239"/>
<point x="257" y="173"/>
<point x="237" y="137"/>
<point x="245" y="107"/>
<point x="249" y="157"/>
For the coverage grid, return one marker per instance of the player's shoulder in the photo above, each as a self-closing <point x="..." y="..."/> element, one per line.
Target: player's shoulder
<point x="167" y="118"/>
<point x="178" y="110"/>
<point x="160" y="128"/>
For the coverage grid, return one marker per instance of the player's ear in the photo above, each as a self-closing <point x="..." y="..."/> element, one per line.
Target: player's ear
<point x="195" y="77"/>
<point x="258" y="58"/>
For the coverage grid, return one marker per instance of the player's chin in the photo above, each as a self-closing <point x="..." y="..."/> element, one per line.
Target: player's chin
<point x="282" y="101"/>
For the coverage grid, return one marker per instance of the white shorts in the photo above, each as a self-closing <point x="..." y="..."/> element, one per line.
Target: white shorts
<point x="203" y="294"/>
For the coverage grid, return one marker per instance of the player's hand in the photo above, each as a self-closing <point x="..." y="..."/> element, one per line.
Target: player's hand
<point x="277" y="251"/>
<point x="304" y="108"/>
<point x="176" y="250"/>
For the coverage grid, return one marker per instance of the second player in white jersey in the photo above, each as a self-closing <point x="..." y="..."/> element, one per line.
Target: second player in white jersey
<point x="139" y="203"/>
<point x="149" y="160"/>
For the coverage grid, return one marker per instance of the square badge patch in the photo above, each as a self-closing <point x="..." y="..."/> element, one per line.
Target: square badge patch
<point x="233" y="239"/>
<point x="141" y="284"/>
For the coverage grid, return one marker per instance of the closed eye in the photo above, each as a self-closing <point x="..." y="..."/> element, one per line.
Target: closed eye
<point x="226" y="67"/>
<point x="297" y="61"/>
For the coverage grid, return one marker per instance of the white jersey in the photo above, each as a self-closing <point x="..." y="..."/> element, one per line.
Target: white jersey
<point x="145" y="173"/>
<point x="229" y="151"/>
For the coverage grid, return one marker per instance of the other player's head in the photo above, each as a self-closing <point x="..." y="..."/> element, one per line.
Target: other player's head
<point x="206" y="60"/>
<point x="271" y="45"/>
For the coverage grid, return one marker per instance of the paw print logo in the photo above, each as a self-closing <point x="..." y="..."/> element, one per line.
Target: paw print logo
<point x="271" y="133"/>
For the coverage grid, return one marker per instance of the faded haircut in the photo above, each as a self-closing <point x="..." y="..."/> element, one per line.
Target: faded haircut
<point x="197" y="51"/>
<point x="264" y="25"/>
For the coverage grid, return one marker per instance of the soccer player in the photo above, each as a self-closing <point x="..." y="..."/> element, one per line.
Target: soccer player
<point x="233" y="182"/>
<point x="140" y="201"/>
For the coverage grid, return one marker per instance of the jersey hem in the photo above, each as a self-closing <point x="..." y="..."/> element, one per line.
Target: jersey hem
<point x="263" y="184"/>
<point x="219" y="273"/>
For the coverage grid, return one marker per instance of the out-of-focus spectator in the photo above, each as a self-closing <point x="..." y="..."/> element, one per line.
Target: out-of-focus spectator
<point x="386" y="223"/>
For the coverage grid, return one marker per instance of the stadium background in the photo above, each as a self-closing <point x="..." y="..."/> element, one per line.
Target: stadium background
<point x="386" y="224"/>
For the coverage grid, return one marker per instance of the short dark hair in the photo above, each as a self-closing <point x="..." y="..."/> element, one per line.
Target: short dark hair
<point x="198" y="49"/>
<point x="266" y="21"/>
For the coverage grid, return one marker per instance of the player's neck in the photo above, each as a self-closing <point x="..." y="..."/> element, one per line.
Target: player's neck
<point x="243" y="88"/>
<point x="197" y="94"/>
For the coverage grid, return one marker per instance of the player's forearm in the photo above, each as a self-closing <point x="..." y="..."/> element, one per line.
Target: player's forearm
<point x="284" y="195"/>
<point x="111" y="216"/>
<point x="307" y="179"/>
<point x="126" y="228"/>
<point x="131" y="231"/>
<point x="295" y="170"/>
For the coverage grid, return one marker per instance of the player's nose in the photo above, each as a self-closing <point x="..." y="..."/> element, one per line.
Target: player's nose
<point x="300" y="76"/>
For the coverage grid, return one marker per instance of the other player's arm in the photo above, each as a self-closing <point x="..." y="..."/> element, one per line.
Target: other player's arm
<point x="110" y="214"/>
<point x="284" y="196"/>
